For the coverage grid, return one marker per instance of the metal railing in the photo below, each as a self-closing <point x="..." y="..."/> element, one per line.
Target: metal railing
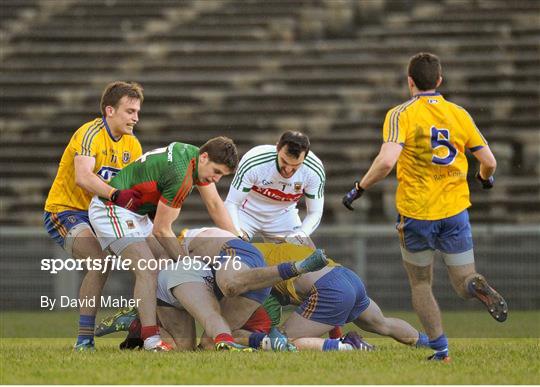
<point x="508" y="255"/>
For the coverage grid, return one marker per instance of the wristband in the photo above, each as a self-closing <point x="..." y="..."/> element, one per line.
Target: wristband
<point x="113" y="194"/>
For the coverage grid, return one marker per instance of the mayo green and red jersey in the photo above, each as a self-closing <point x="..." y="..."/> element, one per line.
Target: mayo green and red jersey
<point x="162" y="175"/>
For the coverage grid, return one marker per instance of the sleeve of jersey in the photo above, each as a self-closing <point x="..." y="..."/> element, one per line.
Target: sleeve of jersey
<point x="232" y="204"/>
<point x="136" y="151"/>
<point x="85" y="141"/>
<point x="176" y="182"/>
<point x="314" y="188"/>
<point x="394" y="128"/>
<point x="475" y="140"/>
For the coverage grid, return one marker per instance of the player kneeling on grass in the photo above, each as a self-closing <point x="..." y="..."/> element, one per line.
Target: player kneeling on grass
<point x="187" y="293"/>
<point x="330" y="297"/>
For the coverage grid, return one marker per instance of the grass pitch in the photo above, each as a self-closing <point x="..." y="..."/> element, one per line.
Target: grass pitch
<point x="483" y="352"/>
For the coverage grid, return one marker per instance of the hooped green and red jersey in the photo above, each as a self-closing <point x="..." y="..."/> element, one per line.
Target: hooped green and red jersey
<point x="164" y="174"/>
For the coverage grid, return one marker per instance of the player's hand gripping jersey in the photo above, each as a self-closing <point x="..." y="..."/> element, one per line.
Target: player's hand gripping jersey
<point x="164" y="174"/>
<point x="92" y="139"/>
<point x="432" y="168"/>
<point x="265" y="192"/>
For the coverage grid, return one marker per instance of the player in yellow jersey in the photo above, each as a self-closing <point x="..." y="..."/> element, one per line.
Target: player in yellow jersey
<point x="95" y="153"/>
<point x="427" y="137"/>
<point x="332" y="296"/>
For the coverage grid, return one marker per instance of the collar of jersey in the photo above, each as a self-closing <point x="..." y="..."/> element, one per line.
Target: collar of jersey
<point x="196" y="171"/>
<point x="427" y="94"/>
<point x="109" y="131"/>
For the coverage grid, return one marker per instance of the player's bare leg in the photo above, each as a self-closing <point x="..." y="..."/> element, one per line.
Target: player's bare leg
<point x="236" y="311"/>
<point x="201" y="303"/>
<point x="305" y="335"/>
<point x="424" y="303"/>
<point x="469" y="284"/>
<point x="86" y="245"/>
<point x="373" y="320"/>
<point x="427" y="309"/>
<point x="178" y="327"/>
<point x="235" y="281"/>
<point x="145" y="291"/>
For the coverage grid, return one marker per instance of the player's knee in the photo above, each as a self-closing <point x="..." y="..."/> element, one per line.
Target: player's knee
<point x="231" y="288"/>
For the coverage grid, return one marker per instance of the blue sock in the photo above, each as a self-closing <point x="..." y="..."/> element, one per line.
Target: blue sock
<point x="440" y="344"/>
<point x="331" y="345"/>
<point x="255" y="339"/>
<point x="423" y="340"/>
<point x="287" y="270"/>
<point x="86" y="328"/>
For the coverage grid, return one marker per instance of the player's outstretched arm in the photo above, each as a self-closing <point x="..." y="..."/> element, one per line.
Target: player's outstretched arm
<point x="216" y="208"/>
<point x="162" y="230"/>
<point x="232" y="204"/>
<point x="89" y="181"/>
<point x="380" y="168"/>
<point x="488" y="164"/>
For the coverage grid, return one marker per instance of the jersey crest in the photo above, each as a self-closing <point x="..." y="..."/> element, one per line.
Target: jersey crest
<point x="107" y="173"/>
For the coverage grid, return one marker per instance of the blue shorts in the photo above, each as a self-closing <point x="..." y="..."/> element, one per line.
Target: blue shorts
<point x="337" y="298"/>
<point x="249" y="256"/>
<point x="451" y="235"/>
<point x="58" y="224"/>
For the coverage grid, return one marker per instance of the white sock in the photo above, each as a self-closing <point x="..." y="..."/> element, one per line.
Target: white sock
<point x="345" y="347"/>
<point x="265" y="344"/>
<point x="152" y="341"/>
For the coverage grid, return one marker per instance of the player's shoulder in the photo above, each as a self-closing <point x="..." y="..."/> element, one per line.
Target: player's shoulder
<point x="260" y="151"/>
<point x="183" y="149"/>
<point x="90" y="128"/>
<point x="405" y="106"/>
<point x="460" y="110"/>
<point x="258" y="157"/>
<point x="314" y="165"/>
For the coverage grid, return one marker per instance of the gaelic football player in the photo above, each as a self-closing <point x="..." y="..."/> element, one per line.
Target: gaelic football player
<point x="95" y="153"/>
<point x="164" y="178"/>
<point x="427" y="137"/>
<point x="267" y="186"/>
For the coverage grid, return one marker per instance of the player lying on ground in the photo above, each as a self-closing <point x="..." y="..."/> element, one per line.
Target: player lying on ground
<point x="187" y="293"/>
<point x="332" y="296"/>
<point x="329" y="297"/>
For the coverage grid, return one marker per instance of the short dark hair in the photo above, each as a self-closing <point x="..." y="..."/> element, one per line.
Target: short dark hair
<point x="221" y="150"/>
<point x="425" y="70"/>
<point x="114" y="92"/>
<point x="296" y="143"/>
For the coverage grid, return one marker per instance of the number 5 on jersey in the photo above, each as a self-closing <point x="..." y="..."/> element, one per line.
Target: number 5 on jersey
<point x="441" y="138"/>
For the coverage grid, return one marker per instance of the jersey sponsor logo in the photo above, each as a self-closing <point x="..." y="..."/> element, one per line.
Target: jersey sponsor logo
<point x="277" y="195"/>
<point x="107" y="173"/>
<point x="126" y="156"/>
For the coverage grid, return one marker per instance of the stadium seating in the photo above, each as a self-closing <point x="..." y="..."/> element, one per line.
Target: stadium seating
<point x="252" y="69"/>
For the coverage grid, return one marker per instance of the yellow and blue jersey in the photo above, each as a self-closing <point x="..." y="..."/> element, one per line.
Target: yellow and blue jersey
<point x="95" y="140"/>
<point x="276" y="253"/>
<point x="432" y="168"/>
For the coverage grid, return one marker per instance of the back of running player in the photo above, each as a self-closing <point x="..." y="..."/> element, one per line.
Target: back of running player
<point x="427" y="136"/>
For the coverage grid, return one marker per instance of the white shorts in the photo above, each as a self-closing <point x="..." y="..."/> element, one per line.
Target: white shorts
<point x="273" y="228"/>
<point x="176" y="274"/>
<point x="115" y="227"/>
